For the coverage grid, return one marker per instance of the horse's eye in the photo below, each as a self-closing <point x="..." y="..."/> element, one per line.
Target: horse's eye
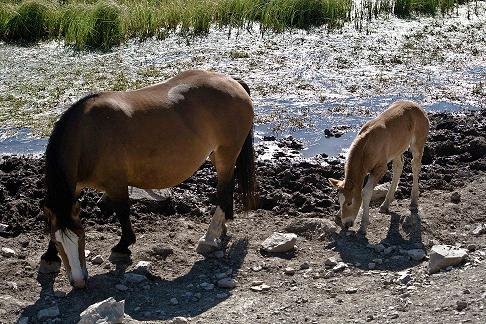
<point x="349" y="204"/>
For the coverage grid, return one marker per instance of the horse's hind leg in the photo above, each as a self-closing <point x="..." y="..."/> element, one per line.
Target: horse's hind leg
<point x="390" y="195"/>
<point x="122" y="209"/>
<point x="50" y="261"/>
<point x="417" y="148"/>
<point x="224" y="160"/>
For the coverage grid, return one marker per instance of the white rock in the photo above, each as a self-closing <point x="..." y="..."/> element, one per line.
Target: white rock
<point x="4" y="228"/>
<point x="405" y="278"/>
<point x="106" y="311"/>
<point x="331" y="262"/>
<point x="480" y="229"/>
<point x="379" y="192"/>
<point x="48" y="313"/>
<point x="416" y="254"/>
<point x="228" y="282"/>
<point x="279" y="242"/>
<point x="8" y="252"/>
<point x="134" y="278"/>
<point x="97" y="259"/>
<point x="340" y="267"/>
<point x="180" y="320"/>
<point x="87" y="253"/>
<point x="443" y="256"/>
<point x="321" y="227"/>
<point x="142" y="267"/>
<point x="289" y="271"/>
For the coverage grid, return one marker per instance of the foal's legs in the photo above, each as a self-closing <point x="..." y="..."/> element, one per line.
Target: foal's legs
<point x="417" y="148"/>
<point x="366" y="193"/>
<point x="224" y="160"/>
<point x="397" y="172"/>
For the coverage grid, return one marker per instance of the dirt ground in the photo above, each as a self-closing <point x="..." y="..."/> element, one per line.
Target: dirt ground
<point x="183" y="283"/>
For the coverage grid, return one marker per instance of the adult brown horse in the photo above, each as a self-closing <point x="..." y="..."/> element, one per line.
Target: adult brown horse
<point x="155" y="137"/>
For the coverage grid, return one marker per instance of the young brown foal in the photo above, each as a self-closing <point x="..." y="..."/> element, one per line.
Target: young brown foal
<point x="381" y="140"/>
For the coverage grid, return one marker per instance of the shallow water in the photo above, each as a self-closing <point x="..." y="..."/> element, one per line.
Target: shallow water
<point x="302" y="82"/>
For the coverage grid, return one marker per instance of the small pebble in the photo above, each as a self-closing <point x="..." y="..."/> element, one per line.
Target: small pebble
<point x="98" y="259"/>
<point x="8" y="252"/>
<point x="174" y="301"/>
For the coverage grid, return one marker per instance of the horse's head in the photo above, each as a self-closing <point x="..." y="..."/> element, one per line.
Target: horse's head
<point x="68" y="235"/>
<point x="349" y="202"/>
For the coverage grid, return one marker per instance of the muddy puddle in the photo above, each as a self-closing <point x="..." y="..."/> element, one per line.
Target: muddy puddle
<point x="317" y="86"/>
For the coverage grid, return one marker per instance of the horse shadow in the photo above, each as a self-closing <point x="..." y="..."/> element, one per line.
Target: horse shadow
<point x="150" y="300"/>
<point x="404" y="233"/>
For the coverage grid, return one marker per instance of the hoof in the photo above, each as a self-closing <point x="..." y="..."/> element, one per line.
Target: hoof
<point x="361" y="232"/>
<point x="206" y="246"/>
<point x="414" y="207"/>
<point x="49" y="266"/>
<point x="123" y="257"/>
<point x="384" y="209"/>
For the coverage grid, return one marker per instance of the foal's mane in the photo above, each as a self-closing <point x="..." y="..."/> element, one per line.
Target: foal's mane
<point x="60" y="193"/>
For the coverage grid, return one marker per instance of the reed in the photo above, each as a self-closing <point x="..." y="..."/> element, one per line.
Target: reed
<point x="102" y="24"/>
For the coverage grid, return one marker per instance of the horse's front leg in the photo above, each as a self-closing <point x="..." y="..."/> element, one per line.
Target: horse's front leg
<point x="50" y="261"/>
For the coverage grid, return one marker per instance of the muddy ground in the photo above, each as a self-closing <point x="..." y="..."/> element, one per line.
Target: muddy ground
<point x="290" y="188"/>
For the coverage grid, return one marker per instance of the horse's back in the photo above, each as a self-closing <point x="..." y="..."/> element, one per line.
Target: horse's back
<point x="159" y="135"/>
<point x="392" y="132"/>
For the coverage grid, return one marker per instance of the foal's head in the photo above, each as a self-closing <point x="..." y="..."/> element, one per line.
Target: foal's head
<point x="68" y="235"/>
<point x="349" y="201"/>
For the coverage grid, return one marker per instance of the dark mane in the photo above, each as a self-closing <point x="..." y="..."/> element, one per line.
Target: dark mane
<point x="60" y="193"/>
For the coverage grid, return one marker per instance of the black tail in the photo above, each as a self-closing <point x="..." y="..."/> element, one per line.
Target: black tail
<point x="245" y="173"/>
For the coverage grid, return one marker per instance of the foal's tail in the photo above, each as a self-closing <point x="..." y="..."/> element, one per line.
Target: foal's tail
<point x="245" y="168"/>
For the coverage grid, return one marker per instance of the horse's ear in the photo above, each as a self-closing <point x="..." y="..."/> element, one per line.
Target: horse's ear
<point x="335" y="183"/>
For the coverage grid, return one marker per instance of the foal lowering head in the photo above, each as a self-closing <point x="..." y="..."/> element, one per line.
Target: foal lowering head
<point x="349" y="202"/>
<point x="381" y="140"/>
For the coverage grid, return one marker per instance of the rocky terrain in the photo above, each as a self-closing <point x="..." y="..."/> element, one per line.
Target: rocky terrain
<point x="324" y="275"/>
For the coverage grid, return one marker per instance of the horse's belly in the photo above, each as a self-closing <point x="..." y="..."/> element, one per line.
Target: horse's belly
<point x="164" y="172"/>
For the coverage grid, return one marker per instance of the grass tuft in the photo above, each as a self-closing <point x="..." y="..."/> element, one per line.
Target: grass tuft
<point x="28" y="23"/>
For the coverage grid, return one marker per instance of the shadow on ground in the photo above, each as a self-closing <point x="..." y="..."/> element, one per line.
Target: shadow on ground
<point x="149" y="300"/>
<point x="404" y="233"/>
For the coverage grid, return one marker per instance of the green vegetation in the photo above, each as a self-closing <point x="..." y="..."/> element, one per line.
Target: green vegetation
<point x="92" y="24"/>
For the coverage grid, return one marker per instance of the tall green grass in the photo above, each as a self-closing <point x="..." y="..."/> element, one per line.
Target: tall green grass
<point x="102" y="24"/>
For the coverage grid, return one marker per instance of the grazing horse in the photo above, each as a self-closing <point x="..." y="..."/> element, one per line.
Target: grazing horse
<point x="154" y="137"/>
<point x="381" y="140"/>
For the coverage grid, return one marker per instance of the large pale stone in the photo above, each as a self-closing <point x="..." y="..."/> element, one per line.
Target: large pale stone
<point x="312" y="226"/>
<point x="279" y="242"/>
<point x="108" y="310"/>
<point x="443" y="256"/>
